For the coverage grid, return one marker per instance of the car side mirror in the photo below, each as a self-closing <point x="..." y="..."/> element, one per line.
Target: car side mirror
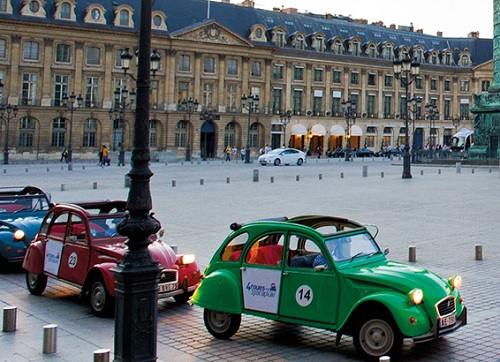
<point x="386" y="251"/>
<point x="161" y="232"/>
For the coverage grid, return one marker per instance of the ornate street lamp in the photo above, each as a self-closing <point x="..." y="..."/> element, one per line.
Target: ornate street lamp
<point x="137" y="274"/>
<point x="127" y="57"/>
<point x="117" y="115"/>
<point x="414" y="104"/>
<point x="350" y="118"/>
<point x="406" y="70"/>
<point x="251" y="101"/>
<point x="285" y="119"/>
<point x="7" y="113"/>
<point x="189" y="107"/>
<point x="456" y="122"/>
<point x="69" y="104"/>
<point x="432" y="112"/>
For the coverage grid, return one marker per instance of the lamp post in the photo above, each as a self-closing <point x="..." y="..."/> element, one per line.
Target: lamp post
<point x="189" y="107"/>
<point x="350" y="118"/>
<point x="456" y="122"/>
<point x="414" y="103"/>
<point x="410" y="70"/>
<point x="250" y="101"/>
<point x="7" y="113"/>
<point x="285" y="119"/>
<point x="137" y="274"/>
<point x="432" y="112"/>
<point x="69" y="104"/>
<point x="117" y="115"/>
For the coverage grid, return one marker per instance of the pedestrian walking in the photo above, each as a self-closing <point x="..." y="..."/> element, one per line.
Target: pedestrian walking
<point x="228" y="153"/>
<point x="64" y="156"/>
<point x="104" y="159"/>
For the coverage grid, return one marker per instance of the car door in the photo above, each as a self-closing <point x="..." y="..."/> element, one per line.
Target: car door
<point x="306" y="293"/>
<point x="287" y="157"/>
<point x="76" y="252"/>
<point x="261" y="273"/>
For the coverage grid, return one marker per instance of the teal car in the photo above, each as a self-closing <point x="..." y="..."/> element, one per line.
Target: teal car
<point x="326" y="272"/>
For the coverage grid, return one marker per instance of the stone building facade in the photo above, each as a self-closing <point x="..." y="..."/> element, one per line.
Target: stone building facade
<point x="216" y="53"/>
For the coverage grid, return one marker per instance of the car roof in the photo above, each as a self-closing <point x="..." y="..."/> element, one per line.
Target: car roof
<point x="93" y="208"/>
<point x="21" y="191"/>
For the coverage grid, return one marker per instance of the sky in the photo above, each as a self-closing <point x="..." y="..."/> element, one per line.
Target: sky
<point x="455" y="18"/>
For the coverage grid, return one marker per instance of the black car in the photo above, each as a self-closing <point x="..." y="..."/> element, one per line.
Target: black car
<point x="336" y="153"/>
<point x="365" y="152"/>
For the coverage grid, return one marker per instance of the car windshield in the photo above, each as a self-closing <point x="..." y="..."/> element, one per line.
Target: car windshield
<point x="350" y="247"/>
<point x="27" y="203"/>
<point x="104" y="226"/>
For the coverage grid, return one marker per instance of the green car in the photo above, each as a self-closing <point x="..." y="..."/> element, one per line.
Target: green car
<point x="326" y="272"/>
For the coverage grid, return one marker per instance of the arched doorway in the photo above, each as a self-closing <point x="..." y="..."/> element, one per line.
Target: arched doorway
<point x="298" y="135"/>
<point x="207" y="140"/>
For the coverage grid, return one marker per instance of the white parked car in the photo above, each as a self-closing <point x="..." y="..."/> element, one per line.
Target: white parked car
<point x="283" y="156"/>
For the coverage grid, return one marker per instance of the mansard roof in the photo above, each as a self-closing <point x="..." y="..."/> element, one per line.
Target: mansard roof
<point x="239" y="20"/>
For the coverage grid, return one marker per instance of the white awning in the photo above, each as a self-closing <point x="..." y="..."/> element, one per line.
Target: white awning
<point x="318" y="130"/>
<point x="337" y="131"/>
<point x="356" y="131"/>
<point x="299" y="130"/>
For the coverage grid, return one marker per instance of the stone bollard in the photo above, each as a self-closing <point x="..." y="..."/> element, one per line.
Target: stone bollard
<point x="4" y="170"/>
<point x="382" y="174"/>
<point x="50" y="338"/>
<point x="127" y="181"/>
<point x="421" y="172"/>
<point x="479" y="252"/>
<point x="255" y="175"/>
<point x="272" y="179"/>
<point x="202" y="181"/>
<point x="9" y="319"/>
<point x="48" y="169"/>
<point x="412" y="254"/>
<point x="472" y="170"/>
<point x="63" y="187"/>
<point x="228" y="180"/>
<point x="83" y="167"/>
<point x="70" y="166"/>
<point x="27" y="170"/>
<point x="439" y="171"/>
<point x="490" y="170"/>
<point x="94" y="185"/>
<point x="297" y="178"/>
<point x="365" y="170"/>
<point x="173" y="183"/>
<point x="341" y="175"/>
<point x="458" y="166"/>
<point x="101" y="355"/>
<point x="321" y="176"/>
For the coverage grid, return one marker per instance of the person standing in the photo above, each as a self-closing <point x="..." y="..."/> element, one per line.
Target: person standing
<point x="105" y="153"/>
<point x="228" y="153"/>
<point x="243" y="153"/>
<point x="64" y="155"/>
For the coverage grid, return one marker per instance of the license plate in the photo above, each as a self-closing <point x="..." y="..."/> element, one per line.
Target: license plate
<point x="167" y="287"/>
<point x="447" y="321"/>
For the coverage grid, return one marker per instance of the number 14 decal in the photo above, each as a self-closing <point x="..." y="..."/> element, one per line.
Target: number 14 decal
<point x="304" y="295"/>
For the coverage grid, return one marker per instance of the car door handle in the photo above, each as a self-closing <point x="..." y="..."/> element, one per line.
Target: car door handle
<point x="285" y="273"/>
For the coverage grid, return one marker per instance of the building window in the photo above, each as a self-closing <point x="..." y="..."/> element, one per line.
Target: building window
<point x="91" y="91"/>
<point x="434" y="84"/>
<point x="65" y="11"/>
<point x="372" y="51"/>
<point x="388" y="52"/>
<point x="354" y="78"/>
<point x="388" y="80"/>
<point x="337" y="47"/>
<point x="3" y="48"/>
<point x="124" y="17"/>
<point x="336" y="106"/>
<point x="231" y="97"/>
<point x="153" y="94"/>
<point x="298" y="73"/>
<point x="232" y="67"/>
<point x="464" y="86"/>
<point x="317" y="105"/>
<point x="3" y="6"/>
<point x="419" y="55"/>
<point x="63" y="53"/>
<point x="464" y="110"/>
<point x="89" y="133"/>
<point x="447" y="59"/>
<point x="229" y="135"/>
<point x="371" y="79"/>
<point x="370" y="106"/>
<point x="299" y="42"/>
<point x="278" y="39"/>
<point x="485" y="84"/>
<point x="254" y="135"/>
<point x="180" y="134"/>
<point x="318" y="44"/>
<point x="61" y="86"/>
<point x="434" y="58"/>
<point x="58" y="132"/>
<point x="30" y="50"/>
<point x="153" y="140"/>
<point x="419" y="83"/>
<point x="93" y="56"/>
<point x="278" y="71"/>
<point x="464" y="61"/>
<point x="26" y="132"/>
<point x="447" y="109"/>
<point x="355" y="48"/>
<point x="208" y="94"/>
<point x="30" y="81"/>
<point x="337" y="76"/>
<point x="387" y="107"/>
<point x="318" y="75"/>
<point x="182" y="92"/>
<point x="184" y="63"/>
<point x="34" y="6"/>
<point x="256" y="69"/>
<point x="209" y="65"/>
<point x="277" y="96"/>
<point x="297" y="102"/>
<point x="447" y="85"/>
<point x="157" y="20"/>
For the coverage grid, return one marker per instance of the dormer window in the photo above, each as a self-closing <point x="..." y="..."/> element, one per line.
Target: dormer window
<point x="372" y="51"/>
<point x="95" y="13"/>
<point x="299" y="42"/>
<point x="34" y="6"/>
<point x="419" y="55"/>
<point x="257" y="33"/>
<point x="5" y="6"/>
<point x="434" y="58"/>
<point x="388" y="52"/>
<point x="465" y="61"/>
<point x="354" y="47"/>
<point x="319" y="44"/>
<point x="278" y="37"/>
<point x="65" y="11"/>
<point x="124" y="17"/>
<point x="337" y="47"/>
<point x="447" y="59"/>
<point x="159" y="21"/>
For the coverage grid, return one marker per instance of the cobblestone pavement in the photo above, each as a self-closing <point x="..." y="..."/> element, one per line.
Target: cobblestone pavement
<point x="444" y="214"/>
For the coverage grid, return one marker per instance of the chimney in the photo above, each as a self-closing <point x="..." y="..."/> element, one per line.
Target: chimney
<point x="420" y="31"/>
<point x="276" y="9"/>
<point x="361" y="21"/>
<point x="473" y="34"/>
<point x="439" y="33"/>
<point x="289" y="10"/>
<point x="248" y="3"/>
<point x="328" y="16"/>
<point x="392" y="26"/>
<point x="225" y="1"/>
<point x="378" y="23"/>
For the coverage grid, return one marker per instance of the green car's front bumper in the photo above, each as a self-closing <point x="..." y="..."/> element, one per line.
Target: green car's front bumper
<point x="437" y="332"/>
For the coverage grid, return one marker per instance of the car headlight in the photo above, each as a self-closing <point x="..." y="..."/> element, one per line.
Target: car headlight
<point x="455" y="281"/>
<point x="187" y="259"/>
<point x="416" y="296"/>
<point x="19" y="235"/>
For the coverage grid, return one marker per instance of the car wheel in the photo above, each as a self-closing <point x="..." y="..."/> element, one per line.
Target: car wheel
<point x="375" y="337"/>
<point x="182" y="298"/>
<point x="102" y="303"/>
<point x="36" y="283"/>
<point x="220" y="324"/>
<point x="277" y="162"/>
<point x="300" y="161"/>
